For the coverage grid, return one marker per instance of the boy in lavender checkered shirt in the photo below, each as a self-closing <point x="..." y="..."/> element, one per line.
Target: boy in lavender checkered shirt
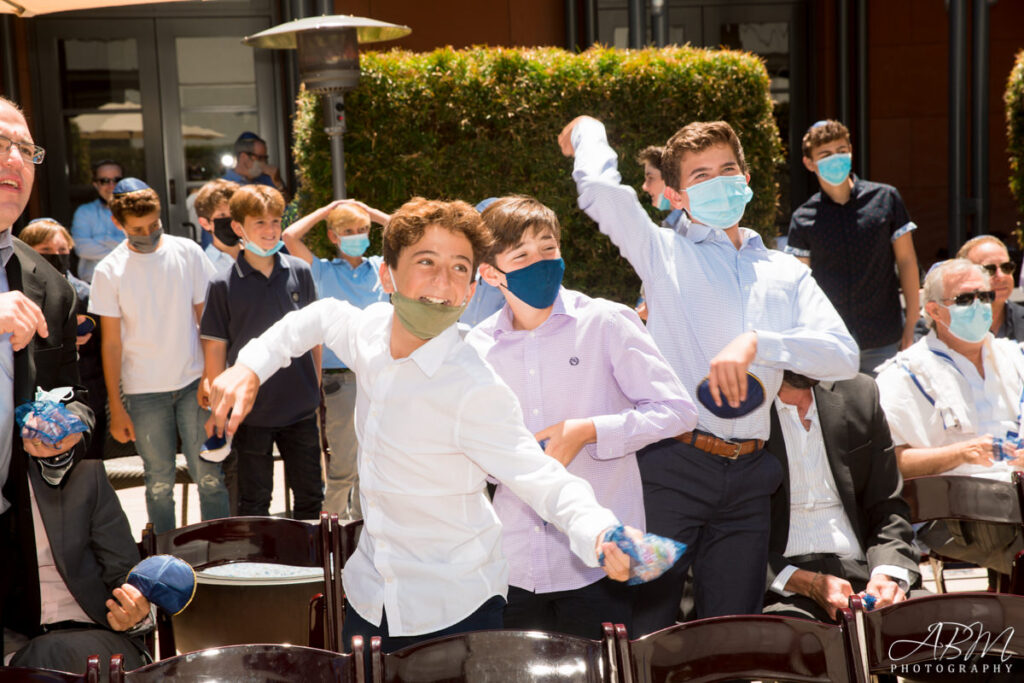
<point x="594" y="389"/>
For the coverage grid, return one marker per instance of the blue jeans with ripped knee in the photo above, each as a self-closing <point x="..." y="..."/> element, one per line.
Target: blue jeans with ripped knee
<point x="160" y="419"/>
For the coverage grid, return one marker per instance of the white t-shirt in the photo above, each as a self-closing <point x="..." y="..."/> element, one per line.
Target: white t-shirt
<point x="154" y="296"/>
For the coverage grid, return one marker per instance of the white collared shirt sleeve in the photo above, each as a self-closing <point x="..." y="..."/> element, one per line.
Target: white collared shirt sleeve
<point x="614" y="206"/>
<point x="490" y="431"/>
<point x="818" y="346"/>
<point x="328" y="321"/>
<point x="781" y="579"/>
<point x="662" y="406"/>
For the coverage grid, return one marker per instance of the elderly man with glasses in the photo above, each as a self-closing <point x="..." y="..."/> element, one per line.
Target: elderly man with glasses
<point x="954" y="405"/>
<point x="92" y="226"/>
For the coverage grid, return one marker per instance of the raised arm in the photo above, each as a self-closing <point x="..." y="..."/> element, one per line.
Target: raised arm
<point x="293" y="235"/>
<point x="615" y="207"/>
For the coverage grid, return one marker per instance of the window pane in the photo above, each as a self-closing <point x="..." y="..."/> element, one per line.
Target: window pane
<point x="233" y="95"/>
<point x="94" y="137"/>
<point x="220" y="60"/>
<point x="208" y="137"/>
<point x="94" y="73"/>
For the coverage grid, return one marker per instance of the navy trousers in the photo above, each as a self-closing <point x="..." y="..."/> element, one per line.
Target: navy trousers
<point x="720" y="508"/>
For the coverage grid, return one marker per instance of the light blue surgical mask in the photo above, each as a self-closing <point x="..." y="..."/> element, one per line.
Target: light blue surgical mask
<point x="970" y="323"/>
<point x="663" y="203"/>
<point x="835" y="169"/>
<point x="720" y="202"/>
<point x="260" y="251"/>
<point x="354" y="245"/>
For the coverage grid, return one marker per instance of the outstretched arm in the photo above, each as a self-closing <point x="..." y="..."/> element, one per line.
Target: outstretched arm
<point x="323" y="322"/>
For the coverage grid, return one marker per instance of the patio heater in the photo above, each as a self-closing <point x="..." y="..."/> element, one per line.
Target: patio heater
<point x="328" y="61"/>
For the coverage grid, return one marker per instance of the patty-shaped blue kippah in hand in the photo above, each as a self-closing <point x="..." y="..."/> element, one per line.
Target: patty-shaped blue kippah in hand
<point x="650" y="555"/>
<point x="167" y="581"/>
<point x="755" y="397"/>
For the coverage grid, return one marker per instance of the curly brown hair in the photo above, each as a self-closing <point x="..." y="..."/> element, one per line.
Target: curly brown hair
<point x="213" y="194"/>
<point x="138" y="203"/>
<point x="407" y="225"/>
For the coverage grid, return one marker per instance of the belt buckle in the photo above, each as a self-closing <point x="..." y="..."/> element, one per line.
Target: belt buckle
<point x="736" y="453"/>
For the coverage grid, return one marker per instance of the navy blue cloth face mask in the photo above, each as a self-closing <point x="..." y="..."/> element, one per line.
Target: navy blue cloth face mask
<point x="537" y="284"/>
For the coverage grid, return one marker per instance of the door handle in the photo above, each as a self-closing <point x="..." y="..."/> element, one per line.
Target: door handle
<point x="172" y="192"/>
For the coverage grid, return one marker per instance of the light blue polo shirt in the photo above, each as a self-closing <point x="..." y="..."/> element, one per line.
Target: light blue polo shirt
<point x="360" y="286"/>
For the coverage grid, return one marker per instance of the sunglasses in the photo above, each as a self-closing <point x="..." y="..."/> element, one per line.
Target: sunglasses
<point x="967" y="298"/>
<point x="1007" y="268"/>
<point x="107" y="181"/>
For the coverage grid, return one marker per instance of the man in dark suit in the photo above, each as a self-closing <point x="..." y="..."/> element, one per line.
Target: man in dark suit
<point x="61" y="564"/>
<point x="839" y="525"/>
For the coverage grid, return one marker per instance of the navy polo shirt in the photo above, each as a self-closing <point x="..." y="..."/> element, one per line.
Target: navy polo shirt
<point x="241" y="304"/>
<point x="850" y="248"/>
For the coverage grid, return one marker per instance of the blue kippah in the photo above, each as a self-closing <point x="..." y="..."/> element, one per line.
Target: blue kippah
<point x="167" y="581"/>
<point x="819" y="124"/>
<point x="755" y="397"/>
<point x="485" y="203"/>
<point x="129" y="185"/>
<point x="248" y="135"/>
<point x="43" y="218"/>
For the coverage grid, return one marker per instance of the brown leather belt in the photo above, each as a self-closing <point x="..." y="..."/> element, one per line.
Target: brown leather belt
<point x="726" y="449"/>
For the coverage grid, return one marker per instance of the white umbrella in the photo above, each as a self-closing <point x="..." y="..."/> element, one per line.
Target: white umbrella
<point x="30" y="8"/>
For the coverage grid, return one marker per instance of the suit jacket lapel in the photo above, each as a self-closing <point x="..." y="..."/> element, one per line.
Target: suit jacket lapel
<point x="24" y="364"/>
<point x="780" y="501"/>
<point x="831" y="411"/>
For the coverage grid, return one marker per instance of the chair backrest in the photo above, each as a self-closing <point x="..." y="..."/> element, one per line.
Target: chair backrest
<point x="741" y="646"/>
<point x="344" y="537"/>
<point x="248" y="663"/>
<point x="964" y="498"/>
<point x="938" y="634"/>
<point x="271" y="540"/>
<point x="27" y="674"/>
<point x="505" y="656"/>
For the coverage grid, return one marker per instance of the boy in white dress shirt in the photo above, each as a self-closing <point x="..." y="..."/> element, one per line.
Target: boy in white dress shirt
<point x="433" y="420"/>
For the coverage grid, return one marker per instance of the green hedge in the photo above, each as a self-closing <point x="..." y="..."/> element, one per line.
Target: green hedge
<point x="1014" y="99"/>
<point x="471" y="124"/>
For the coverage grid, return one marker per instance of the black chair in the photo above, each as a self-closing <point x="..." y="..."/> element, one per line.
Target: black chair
<point x="743" y="646"/>
<point x="969" y="499"/>
<point x="271" y="540"/>
<point x="249" y="663"/>
<point x="929" y="638"/>
<point x="24" y="674"/>
<point x="499" y="656"/>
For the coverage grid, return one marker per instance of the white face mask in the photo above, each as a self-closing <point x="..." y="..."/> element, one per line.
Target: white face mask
<point x="256" y="170"/>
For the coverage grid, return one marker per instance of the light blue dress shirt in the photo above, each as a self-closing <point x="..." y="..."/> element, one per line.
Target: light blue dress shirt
<point x="95" y="236"/>
<point x="360" y="286"/>
<point x="702" y="292"/>
<point x="6" y="375"/>
<point x="486" y="302"/>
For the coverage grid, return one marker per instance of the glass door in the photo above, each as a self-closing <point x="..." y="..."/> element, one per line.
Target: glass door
<point x="100" y="100"/>
<point x="214" y="89"/>
<point x="165" y="97"/>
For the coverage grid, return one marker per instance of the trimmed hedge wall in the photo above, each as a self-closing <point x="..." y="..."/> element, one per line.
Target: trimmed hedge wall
<point x="1014" y="99"/>
<point x="471" y="124"/>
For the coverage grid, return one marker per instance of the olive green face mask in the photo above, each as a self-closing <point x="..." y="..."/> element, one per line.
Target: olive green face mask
<point x="425" y="320"/>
